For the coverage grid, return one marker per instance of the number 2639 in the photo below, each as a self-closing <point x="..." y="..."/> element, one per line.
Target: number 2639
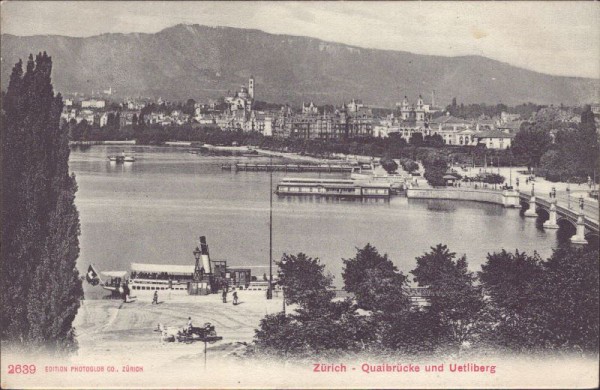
<point x="21" y="368"/>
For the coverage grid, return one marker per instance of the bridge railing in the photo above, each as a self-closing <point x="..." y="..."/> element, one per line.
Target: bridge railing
<point x="571" y="213"/>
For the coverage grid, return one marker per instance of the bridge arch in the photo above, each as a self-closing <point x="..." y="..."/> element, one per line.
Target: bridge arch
<point x="524" y="207"/>
<point x="542" y="213"/>
<point x="593" y="239"/>
<point x="566" y="222"/>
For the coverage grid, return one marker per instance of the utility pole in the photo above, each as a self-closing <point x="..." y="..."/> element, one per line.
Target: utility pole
<point x="270" y="290"/>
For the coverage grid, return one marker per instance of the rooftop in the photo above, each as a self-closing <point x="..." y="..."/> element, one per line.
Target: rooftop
<point x="167" y="268"/>
<point x="494" y="134"/>
<point x="448" y="119"/>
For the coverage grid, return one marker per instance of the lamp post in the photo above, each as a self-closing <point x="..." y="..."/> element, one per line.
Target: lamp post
<point x="270" y="290"/>
<point x="569" y="195"/>
<point x="581" y="203"/>
<point x="283" y="262"/>
<point x="532" y="188"/>
<point x="510" y="171"/>
<point x="197" y="273"/>
<point x="485" y="161"/>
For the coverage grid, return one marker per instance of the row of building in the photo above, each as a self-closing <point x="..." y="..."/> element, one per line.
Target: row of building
<point x="351" y="119"/>
<point x="355" y="119"/>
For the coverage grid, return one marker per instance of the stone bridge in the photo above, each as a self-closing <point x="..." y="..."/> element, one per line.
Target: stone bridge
<point x="580" y="212"/>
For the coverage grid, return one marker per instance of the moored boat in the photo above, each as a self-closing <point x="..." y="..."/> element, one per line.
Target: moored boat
<point x="122" y="158"/>
<point x="204" y="277"/>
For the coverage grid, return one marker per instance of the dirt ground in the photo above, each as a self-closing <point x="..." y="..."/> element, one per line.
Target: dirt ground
<point x="113" y="328"/>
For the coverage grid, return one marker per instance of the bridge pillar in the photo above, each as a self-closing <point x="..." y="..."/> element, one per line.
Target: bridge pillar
<point x="551" y="222"/>
<point x="579" y="237"/>
<point x="510" y="198"/>
<point x="530" y="212"/>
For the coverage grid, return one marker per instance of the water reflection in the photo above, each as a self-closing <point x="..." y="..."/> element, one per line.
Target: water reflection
<point x="442" y="205"/>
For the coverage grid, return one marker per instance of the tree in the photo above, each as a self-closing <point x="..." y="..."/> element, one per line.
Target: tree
<point x="575" y="152"/>
<point x="40" y="245"/>
<point x="456" y="302"/>
<point x="512" y="281"/>
<point x="303" y="280"/>
<point x="354" y="272"/>
<point x="389" y="165"/>
<point x="531" y="142"/>
<point x="375" y="281"/>
<point x="413" y="332"/>
<point x="554" y="167"/>
<point x="435" y="141"/>
<point x="382" y="292"/>
<point x="544" y="305"/>
<point x="273" y="335"/>
<point x="317" y="324"/>
<point x="587" y="143"/>
<point x="332" y="327"/>
<point x="569" y="299"/>
<point x="409" y="165"/>
<point x="435" y="171"/>
<point x="416" y="139"/>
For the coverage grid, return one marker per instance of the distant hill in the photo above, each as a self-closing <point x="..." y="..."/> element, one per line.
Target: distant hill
<point x="205" y="62"/>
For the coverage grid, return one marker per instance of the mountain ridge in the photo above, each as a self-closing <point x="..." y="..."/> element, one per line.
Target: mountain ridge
<point x="203" y="62"/>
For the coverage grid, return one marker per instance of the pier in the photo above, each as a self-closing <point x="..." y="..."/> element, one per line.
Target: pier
<point x="291" y="167"/>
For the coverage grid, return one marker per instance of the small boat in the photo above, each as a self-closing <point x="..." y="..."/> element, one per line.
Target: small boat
<point x="122" y="158"/>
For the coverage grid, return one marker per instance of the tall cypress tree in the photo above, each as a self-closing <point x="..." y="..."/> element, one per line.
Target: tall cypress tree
<point x="40" y="244"/>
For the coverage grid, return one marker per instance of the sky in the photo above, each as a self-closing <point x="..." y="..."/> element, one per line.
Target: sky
<point x="560" y="38"/>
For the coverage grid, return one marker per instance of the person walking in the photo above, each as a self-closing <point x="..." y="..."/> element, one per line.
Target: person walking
<point x="224" y="295"/>
<point x="155" y="298"/>
<point x="235" y="298"/>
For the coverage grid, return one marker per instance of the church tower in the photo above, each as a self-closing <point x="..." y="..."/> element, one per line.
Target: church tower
<point x="420" y="111"/>
<point x="420" y="103"/>
<point x="251" y="87"/>
<point x="405" y="109"/>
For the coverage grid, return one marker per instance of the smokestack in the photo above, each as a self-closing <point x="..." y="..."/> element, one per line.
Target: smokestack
<point x="205" y="256"/>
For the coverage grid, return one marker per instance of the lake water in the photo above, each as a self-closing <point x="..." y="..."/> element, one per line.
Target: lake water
<point x="154" y="210"/>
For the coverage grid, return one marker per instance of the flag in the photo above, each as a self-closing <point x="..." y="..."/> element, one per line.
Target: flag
<point x="92" y="276"/>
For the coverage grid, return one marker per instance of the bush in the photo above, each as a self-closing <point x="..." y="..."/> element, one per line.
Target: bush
<point x="389" y="165"/>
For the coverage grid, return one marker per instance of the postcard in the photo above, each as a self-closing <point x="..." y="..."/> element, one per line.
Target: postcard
<point x="206" y="194"/>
